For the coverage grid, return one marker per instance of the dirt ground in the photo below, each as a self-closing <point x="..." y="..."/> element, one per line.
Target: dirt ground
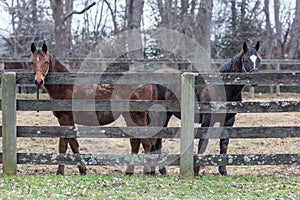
<point x="121" y="146"/>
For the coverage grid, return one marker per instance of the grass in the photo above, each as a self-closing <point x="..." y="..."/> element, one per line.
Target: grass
<point x="145" y="187"/>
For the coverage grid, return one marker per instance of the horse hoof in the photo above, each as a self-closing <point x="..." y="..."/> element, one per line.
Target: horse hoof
<point x="152" y="173"/>
<point x="60" y="173"/>
<point x="82" y="170"/>
<point x="196" y="171"/>
<point x="163" y="171"/>
<point x="128" y="173"/>
<point x="223" y="171"/>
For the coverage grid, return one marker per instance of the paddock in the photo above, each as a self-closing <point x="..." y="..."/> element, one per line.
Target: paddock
<point x="261" y="118"/>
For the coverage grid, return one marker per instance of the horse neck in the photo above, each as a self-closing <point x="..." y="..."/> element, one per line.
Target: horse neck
<point x="58" y="91"/>
<point x="56" y="66"/>
<point x="234" y="65"/>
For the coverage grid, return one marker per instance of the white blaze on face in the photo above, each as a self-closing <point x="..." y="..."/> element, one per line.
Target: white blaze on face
<point x="253" y="59"/>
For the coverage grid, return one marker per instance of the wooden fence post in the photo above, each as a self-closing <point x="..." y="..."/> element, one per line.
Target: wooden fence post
<point x="278" y="86"/>
<point x="251" y="92"/>
<point x="187" y="125"/>
<point x="9" y="130"/>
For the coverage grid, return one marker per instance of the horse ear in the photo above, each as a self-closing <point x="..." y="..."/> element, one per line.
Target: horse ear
<point x="33" y="48"/>
<point x="45" y="48"/>
<point x="257" y="46"/>
<point x="245" y="47"/>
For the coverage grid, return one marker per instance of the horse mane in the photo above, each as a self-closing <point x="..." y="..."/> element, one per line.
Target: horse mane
<point x="227" y="66"/>
<point x="59" y="67"/>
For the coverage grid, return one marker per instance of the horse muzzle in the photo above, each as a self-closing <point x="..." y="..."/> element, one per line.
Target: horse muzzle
<point x="253" y="70"/>
<point x="39" y="79"/>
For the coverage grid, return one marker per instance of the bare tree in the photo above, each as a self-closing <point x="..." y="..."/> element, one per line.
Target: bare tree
<point x="192" y="18"/>
<point x="62" y="12"/>
<point x="27" y="25"/>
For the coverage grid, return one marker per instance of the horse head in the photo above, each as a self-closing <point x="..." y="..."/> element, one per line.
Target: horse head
<point x="250" y="58"/>
<point x="41" y="62"/>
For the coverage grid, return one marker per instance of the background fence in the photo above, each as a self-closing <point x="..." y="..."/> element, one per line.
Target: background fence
<point x="10" y="157"/>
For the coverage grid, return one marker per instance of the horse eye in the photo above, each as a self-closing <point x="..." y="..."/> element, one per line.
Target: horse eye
<point x="46" y="63"/>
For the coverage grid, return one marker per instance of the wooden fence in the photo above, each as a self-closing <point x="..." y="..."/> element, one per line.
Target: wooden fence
<point x="186" y="159"/>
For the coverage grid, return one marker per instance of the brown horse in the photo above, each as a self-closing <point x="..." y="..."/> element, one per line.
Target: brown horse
<point x="45" y="63"/>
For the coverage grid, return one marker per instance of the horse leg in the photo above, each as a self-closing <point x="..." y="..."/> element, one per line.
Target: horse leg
<point x="202" y="142"/>
<point x="141" y="119"/>
<point x="223" y="150"/>
<point x="147" y="143"/>
<point x="63" y="145"/>
<point x="75" y="149"/>
<point x="201" y="148"/>
<point x="156" y="148"/>
<point x="153" y="150"/>
<point x="156" y="119"/>
<point x="62" y="148"/>
<point x="66" y="119"/>
<point x="224" y="145"/>
<point x="135" y="145"/>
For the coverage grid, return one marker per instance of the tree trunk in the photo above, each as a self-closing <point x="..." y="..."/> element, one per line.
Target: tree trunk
<point x="59" y="28"/>
<point x="68" y="22"/>
<point x="134" y="12"/>
<point x="278" y="25"/>
<point x="15" y="49"/>
<point x="295" y="33"/>
<point x="205" y="12"/>
<point x="234" y="16"/>
<point x="34" y="11"/>
<point x="269" y="40"/>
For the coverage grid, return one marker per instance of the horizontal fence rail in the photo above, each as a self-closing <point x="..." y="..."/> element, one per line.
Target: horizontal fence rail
<point x="144" y="160"/>
<point x="160" y="132"/>
<point x="171" y="106"/>
<point x="213" y="78"/>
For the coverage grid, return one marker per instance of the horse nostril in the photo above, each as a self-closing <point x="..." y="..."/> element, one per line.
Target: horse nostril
<point x="39" y="83"/>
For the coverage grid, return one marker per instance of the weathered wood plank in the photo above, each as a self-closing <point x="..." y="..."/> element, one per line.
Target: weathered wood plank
<point x="156" y="159"/>
<point x="94" y="105"/>
<point x="285" y="78"/>
<point x="98" y="159"/>
<point x="95" y="132"/>
<point x="247" y="159"/>
<point x="9" y="141"/>
<point x="166" y="132"/>
<point x="172" y="106"/>
<point x="249" y="107"/>
<point x="103" y="78"/>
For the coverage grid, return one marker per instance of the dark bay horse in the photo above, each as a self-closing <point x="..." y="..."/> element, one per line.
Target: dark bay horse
<point x="45" y="63"/>
<point x="247" y="61"/>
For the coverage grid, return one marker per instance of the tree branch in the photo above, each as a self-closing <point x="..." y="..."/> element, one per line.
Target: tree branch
<point x="79" y="12"/>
